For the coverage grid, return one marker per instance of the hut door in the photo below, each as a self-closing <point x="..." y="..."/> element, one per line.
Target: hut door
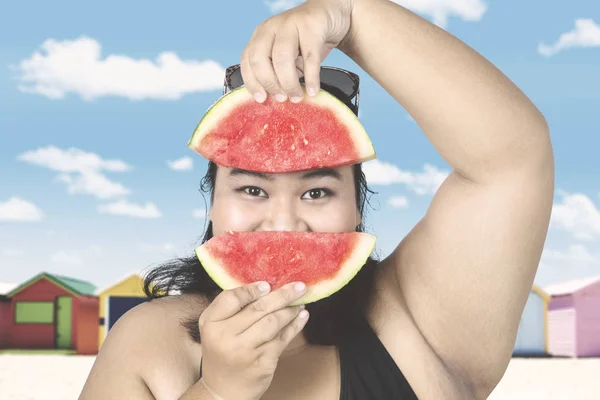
<point x="63" y="322"/>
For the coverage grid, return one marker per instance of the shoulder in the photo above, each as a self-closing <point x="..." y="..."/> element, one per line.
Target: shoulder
<point x="166" y="320"/>
<point x="161" y="318"/>
<point x="148" y="343"/>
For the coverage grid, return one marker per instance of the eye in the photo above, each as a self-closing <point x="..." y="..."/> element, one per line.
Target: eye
<point x="251" y="191"/>
<point x="316" y="194"/>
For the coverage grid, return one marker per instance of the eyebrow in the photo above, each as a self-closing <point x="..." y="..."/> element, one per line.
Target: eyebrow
<point x="316" y="173"/>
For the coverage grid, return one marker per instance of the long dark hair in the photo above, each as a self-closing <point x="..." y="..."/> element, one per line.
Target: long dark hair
<point x="329" y="318"/>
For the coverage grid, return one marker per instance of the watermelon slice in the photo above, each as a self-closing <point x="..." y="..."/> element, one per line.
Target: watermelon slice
<point x="275" y="137"/>
<point x="326" y="262"/>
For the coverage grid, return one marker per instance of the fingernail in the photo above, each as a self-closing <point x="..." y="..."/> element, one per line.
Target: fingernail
<point x="260" y="97"/>
<point x="296" y="99"/>
<point x="312" y="91"/>
<point x="264" y="287"/>
<point x="280" y="97"/>
<point x="303" y="314"/>
<point x="300" y="287"/>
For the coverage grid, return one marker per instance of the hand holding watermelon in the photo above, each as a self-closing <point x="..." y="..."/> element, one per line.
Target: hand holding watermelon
<point x="243" y="332"/>
<point x="292" y="44"/>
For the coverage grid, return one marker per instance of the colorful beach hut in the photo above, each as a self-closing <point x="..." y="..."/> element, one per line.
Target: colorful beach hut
<point x="116" y="300"/>
<point x="574" y="318"/>
<point x="5" y="319"/>
<point x="532" y="336"/>
<point x="54" y="312"/>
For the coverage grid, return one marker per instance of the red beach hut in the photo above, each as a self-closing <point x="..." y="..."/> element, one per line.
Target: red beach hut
<point x="54" y="312"/>
<point x="5" y="324"/>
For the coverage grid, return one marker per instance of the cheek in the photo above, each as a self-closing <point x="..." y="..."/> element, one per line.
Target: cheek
<point x="335" y="217"/>
<point x="229" y="215"/>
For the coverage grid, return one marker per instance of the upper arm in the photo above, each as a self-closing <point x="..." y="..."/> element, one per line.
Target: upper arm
<point x="116" y="370"/>
<point x="466" y="269"/>
<point x="148" y="354"/>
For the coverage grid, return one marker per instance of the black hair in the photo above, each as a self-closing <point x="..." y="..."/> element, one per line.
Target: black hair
<point x="329" y="318"/>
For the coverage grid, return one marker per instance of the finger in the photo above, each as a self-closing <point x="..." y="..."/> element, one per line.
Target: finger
<point x="259" y="60"/>
<point x="285" y="52"/>
<point x="281" y="340"/>
<point x="269" y="326"/>
<point x="309" y="48"/>
<point x="230" y="302"/>
<point x="250" y="81"/>
<point x="274" y="301"/>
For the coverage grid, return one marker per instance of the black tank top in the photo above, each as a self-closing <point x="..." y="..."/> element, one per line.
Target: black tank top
<point x="367" y="370"/>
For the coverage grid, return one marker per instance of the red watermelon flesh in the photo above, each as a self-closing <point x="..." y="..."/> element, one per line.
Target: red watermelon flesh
<point x="324" y="261"/>
<point x="277" y="137"/>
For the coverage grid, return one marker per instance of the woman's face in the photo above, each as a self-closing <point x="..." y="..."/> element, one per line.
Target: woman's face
<point x="320" y="200"/>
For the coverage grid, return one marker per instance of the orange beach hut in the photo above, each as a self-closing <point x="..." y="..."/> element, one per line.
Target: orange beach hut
<point x="116" y="300"/>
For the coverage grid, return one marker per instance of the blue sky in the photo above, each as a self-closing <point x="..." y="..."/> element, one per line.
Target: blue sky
<point x="98" y="102"/>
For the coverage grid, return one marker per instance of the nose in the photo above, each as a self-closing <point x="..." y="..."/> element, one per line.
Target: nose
<point x="282" y="215"/>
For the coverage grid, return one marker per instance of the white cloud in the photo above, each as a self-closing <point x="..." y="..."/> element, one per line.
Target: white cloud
<point x="16" y="209"/>
<point x="71" y="160"/>
<point x="199" y="213"/>
<point x="426" y="182"/>
<point x="567" y="266"/>
<point x="575" y="253"/>
<point x="578" y="215"/>
<point x="77" y="66"/>
<point x="126" y="208"/>
<point x="160" y="248"/>
<point x="68" y="258"/>
<point x="96" y="249"/>
<point x="183" y="164"/>
<point x="585" y="34"/>
<point x="11" y="252"/>
<point x="438" y="10"/>
<point x="93" y="183"/>
<point x="276" y="6"/>
<point x="398" y="201"/>
<point x="80" y="170"/>
<point x="441" y="10"/>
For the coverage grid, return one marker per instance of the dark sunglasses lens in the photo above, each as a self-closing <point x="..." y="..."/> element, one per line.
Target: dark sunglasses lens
<point x="235" y="79"/>
<point x="338" y="83"/>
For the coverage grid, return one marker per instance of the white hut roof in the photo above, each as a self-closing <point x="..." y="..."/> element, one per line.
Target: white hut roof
<point x="570" y="286"/>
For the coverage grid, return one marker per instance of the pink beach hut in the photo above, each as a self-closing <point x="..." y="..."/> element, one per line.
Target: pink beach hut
<point x="574" y="318"/>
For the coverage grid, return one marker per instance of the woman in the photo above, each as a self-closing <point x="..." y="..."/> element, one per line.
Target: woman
<point x="437" y="318"/>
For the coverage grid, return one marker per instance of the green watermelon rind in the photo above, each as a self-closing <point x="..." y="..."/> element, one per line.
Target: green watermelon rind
<point x="360" y="138"/>
<point x="362" y="249"/>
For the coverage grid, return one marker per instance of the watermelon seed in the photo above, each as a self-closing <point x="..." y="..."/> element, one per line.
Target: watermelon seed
<point x="305" y="141"/>
<point x="266" y="126"/>
<point x="328" y="152"/>
<point x="292" y="126"/>
<point x="293" y="147"/>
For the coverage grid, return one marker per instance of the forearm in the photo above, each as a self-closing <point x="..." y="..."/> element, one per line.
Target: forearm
<point x="475" y="117"/>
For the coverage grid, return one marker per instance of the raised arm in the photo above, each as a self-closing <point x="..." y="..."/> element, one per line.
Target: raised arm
<point x="465" y="271"/>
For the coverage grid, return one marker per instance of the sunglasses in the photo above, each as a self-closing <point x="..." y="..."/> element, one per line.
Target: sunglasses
<point x="339" y="82"/>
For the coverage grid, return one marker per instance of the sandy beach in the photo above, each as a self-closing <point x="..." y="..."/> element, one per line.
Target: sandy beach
<point x="54" y="377"/>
